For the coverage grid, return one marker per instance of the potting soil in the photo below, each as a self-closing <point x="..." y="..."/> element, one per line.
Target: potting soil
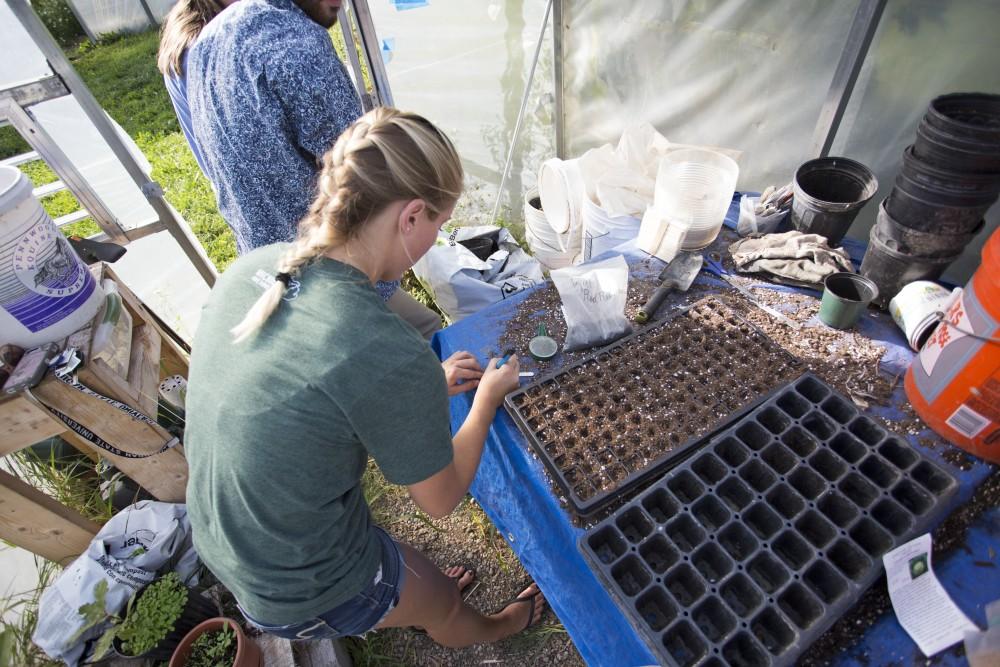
<point x="609" y="421"/>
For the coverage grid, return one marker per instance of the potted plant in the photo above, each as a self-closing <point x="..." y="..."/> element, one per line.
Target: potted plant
<point x="155" y="620"/>
<point x="217" y="642"/>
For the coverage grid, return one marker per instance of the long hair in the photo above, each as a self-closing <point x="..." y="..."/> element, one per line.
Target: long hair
<point x="181" y="27"/>
<point x="386" y="156"/>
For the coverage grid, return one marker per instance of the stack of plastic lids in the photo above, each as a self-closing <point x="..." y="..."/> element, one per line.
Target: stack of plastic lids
<point x="545" y="243"/>
<point x="602" y="232"/>
<point x="694" y="188"/>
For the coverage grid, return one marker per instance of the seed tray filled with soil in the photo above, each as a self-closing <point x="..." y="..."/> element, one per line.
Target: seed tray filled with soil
<point x="749" y="551"/>
<point x="619" y="416"/>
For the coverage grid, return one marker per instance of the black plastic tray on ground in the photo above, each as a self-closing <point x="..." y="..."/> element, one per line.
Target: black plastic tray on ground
<point x="749" y="551"/>
<point x="622" y="415"/>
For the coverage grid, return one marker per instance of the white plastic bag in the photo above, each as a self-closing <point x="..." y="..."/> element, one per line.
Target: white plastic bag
<point x="593" y="302"/>
<point x="127" y="552"/>
<point x="462" y="283"/>
<point x="751" y="223"/>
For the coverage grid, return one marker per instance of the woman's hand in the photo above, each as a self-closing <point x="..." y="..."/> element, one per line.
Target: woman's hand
<point x="462" y="372"/>
<point x="498" y="382"/>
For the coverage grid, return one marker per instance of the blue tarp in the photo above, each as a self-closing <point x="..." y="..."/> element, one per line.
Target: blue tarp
<point x="512" y="488"/>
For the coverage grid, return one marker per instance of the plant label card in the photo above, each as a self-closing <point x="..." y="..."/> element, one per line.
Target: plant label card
<point x="922" y="605"/>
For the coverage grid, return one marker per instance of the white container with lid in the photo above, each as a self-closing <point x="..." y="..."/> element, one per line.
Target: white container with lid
<point x="46" y="292"/>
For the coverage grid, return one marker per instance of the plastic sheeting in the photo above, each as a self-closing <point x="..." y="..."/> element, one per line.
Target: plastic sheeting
<point x="67" y="123"/>
<point x="464" y="66"/>
<point x="29" y="64"/>
<point x="753" y="75"/>
<point x="103" y="17"/>
<point x="750" y="75"/>
<point x="514" y="491"/>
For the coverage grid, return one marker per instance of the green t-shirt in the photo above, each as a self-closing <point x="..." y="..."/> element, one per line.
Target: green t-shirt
<point x="280" y="427"/>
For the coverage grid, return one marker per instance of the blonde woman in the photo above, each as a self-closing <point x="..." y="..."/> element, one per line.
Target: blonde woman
<point x="181" y="28"/>
<point x="300" y="373"/>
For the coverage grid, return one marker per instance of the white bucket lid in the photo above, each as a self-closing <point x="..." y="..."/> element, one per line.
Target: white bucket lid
<point x="14" y="188"/>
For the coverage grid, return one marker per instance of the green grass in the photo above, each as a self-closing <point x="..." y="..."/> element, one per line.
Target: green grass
<point x="16" y="647"/>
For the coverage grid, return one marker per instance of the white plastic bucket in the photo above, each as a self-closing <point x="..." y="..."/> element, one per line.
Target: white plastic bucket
<point x="695" y="187"/>
<point x="916" y="310"/>
<point x="542" y="240"/>
<point x="46" y="292"/>
<point x="562" y="190"/>
<point x="602" y="232"/>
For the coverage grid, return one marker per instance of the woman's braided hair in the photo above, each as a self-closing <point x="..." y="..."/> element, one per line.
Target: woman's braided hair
<point x="386" y="156"/>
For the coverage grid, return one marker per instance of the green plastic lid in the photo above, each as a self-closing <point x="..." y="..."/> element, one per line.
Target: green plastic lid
<point x="543" y="348"/>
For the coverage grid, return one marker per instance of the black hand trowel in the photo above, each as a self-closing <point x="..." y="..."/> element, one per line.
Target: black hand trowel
<point x="678" y="275"/>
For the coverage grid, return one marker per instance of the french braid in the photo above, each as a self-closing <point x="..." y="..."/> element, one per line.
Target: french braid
<point x="385" y="156"/>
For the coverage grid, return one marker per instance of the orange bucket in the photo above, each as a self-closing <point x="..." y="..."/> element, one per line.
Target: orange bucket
<point x="954" y="381"/>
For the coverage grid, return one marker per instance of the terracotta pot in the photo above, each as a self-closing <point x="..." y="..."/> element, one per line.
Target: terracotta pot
<point x="247" y="652"/>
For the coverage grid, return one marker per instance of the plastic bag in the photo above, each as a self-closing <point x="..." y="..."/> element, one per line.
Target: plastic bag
<point x="593" y="302"/>
<point x="463" y="282"/>
<point x="750" y="223"/>
<point x="983" y="648"/>
<point x="127" y="552"/>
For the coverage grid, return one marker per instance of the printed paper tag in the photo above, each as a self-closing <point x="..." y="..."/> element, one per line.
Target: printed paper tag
<point x="922" y="605"/>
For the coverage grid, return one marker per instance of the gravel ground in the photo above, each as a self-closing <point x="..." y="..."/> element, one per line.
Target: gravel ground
<point x="466" y="537"/>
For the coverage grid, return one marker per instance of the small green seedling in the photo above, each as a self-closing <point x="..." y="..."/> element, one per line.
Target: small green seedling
<point x="216" y="648"/>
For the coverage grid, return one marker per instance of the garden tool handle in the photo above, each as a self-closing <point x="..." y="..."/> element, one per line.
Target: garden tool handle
<point x="647" y="312"/>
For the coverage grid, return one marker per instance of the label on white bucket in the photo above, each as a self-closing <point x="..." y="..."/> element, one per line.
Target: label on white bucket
<point x="45" y="282"/>
<point x="946" y="335"/>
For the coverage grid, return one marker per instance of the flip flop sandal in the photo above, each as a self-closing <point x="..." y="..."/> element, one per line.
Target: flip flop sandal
<point x="461" y="591"/>
<point x="531" y="609"/>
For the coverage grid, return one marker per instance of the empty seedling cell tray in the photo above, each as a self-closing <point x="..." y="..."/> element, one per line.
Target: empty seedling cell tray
<point x="619" y="416"/>
<point x="750" y="550"/>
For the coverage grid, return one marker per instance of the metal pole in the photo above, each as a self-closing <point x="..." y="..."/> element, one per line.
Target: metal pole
<point x="79" y="18"/>
<point x="373" y="54"/>
<point x="520" y="114"/>
<point x="557" y="71"/>
<point x="154" y="194"/>
<point x="346" y="28"/>
<point x="149" y="14"/>
<point x="859" y="39"/>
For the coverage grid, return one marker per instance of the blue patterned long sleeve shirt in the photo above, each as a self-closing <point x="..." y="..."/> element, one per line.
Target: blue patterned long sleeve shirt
<point x="268" y="97"/>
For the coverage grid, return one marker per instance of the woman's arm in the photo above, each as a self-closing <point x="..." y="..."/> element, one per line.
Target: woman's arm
<point x="439" y="494"/>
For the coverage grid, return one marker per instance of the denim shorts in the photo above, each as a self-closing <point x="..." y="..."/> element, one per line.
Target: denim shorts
<point x="359" y="614"/>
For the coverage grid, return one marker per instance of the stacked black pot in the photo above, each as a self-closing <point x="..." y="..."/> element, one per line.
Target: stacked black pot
<point x="950" y="177"/>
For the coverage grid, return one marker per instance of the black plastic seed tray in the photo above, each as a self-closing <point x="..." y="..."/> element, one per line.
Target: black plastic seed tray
<point x="749" y="551"/>
<point x="620" y="416"/>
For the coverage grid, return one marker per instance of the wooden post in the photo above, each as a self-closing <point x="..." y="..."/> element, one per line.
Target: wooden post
<point x="164" y="475"/>
<point x="23" y="422"/>
<point x="32" y="520"/>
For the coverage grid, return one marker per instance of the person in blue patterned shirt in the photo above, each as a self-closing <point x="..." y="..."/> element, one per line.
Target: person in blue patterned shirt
<point x="268" y="97"/>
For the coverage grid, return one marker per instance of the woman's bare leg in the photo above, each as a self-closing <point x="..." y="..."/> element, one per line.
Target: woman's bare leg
<point x="432" y="600"/>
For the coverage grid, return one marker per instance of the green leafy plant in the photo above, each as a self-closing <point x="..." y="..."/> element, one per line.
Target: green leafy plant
<point x="216" y="648"/>
<point x="154" y="615"/>
<point x="149" y="617"/>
